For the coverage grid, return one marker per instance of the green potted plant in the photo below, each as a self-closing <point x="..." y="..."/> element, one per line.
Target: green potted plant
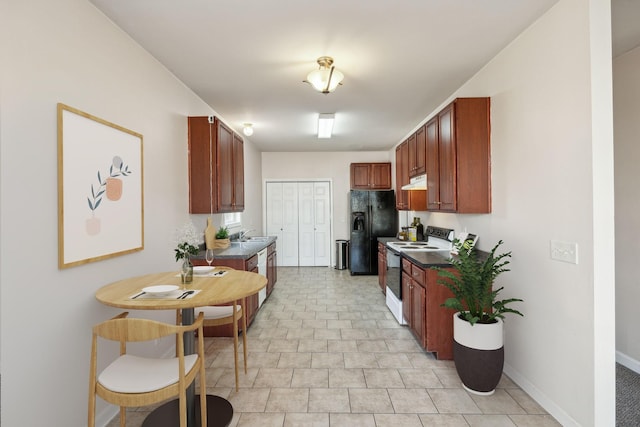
<point x="478" y="346"/>
<point x="222" y="238"/>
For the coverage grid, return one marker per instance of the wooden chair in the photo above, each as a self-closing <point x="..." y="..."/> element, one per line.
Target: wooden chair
<point x="219" y="315"/>
<point x="131" y="380"/>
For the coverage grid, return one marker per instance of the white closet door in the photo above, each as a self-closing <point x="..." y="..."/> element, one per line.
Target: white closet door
<point x="282" y="220"/>
<point x="299" y="214"/>
<point x="322" y="223"/>
<point x="306" y="225"/>
<point x="274" y="200"/>
<point x="289" y="225"/>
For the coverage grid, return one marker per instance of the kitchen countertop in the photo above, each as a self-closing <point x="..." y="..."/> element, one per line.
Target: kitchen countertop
<point x="244" y="250"/>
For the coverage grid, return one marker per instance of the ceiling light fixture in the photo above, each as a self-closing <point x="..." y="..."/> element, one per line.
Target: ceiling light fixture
<point x="248" y="129"/>
<point x="327" y="78"/>
<point x="325" y="125"/>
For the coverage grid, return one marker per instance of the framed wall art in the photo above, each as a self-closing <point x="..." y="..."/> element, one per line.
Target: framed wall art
<point x="100" y="189"/>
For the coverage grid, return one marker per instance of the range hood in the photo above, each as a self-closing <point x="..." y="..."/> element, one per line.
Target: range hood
<point x="416" y="183"/>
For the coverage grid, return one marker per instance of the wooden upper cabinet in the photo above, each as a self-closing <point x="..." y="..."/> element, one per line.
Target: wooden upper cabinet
<point x="224" y="168"/>
<point x="370" y="176"/>
<point x="402" y="175"/>
<point x="458" y="163"/>
<point x="216" y="167"/>
<point x="238" y="173"/>
<point x="417" y="153"/>
<point x="202" y="156"/>
<point x="433" y="165"/>
<point x="415" y="200"/>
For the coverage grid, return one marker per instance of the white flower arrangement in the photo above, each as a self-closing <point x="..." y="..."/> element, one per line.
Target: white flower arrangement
<point x="188" y="240"/>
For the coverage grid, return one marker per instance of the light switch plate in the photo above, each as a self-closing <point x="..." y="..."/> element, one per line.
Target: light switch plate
<point x="564" y="251"/>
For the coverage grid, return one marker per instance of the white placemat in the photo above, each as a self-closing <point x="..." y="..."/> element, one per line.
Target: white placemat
<point x="171" y="295"/>
<point x="214" y="273"/>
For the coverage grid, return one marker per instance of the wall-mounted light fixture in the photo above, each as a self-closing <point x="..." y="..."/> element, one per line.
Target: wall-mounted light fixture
<point x="325" y="125"/>
<point x="247" y="129"/>
<point x="326" y="79"/>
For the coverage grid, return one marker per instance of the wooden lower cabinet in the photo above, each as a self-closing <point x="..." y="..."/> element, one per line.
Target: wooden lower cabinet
<point x="382" y="267"/>
<point x="422" y="296"/>
<point x="251" y="307"/>
<point x="272" y="268"/>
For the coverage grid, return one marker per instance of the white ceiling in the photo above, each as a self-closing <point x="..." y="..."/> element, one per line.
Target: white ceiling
<point x="401" y="59"/>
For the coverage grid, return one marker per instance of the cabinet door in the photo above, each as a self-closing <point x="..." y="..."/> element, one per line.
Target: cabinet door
<point x="202" y="161"/>
<point x="419" y="153"/>
<point x="447" y="157"/>
<point x="238" y="174"/>
<point x="432" y="165"/>
<point x="402" y="175"/>
<point x="225" y="168"/>
<point x="406" y="297"/>
<point x="360" y="176"/>
<point x="418" y="311"/>
<point x="271" y="270"/>
<point x="412" y="155"/>
<point x="381" y="176"/>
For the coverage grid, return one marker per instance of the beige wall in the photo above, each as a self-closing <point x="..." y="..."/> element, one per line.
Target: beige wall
<point x="66" y="51"/>
<point x="626" y="108"/>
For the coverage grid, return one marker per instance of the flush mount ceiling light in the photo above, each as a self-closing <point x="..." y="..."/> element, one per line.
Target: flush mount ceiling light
<point x="248" y="129"/>
<point x="325" y="125"/>
<point x="327" y="78"/>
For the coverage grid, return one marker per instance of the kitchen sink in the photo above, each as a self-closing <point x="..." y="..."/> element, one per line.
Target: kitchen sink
<point x="257" y="239"/>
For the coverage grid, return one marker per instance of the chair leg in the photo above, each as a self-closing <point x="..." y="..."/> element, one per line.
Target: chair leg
<point x="244" y="333"/>
<point x="91" y="422"/>
<point x="235" y="340"/>
<point x="182" y="403"/>
<point x="203" y="382"/>
<point x="123" y="416"/>
<point x="203" y="401"/>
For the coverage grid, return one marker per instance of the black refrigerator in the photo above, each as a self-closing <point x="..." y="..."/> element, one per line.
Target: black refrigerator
<point x="373" y="215"/>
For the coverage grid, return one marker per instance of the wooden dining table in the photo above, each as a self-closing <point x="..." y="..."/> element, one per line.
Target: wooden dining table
<point x="233" y="286"/>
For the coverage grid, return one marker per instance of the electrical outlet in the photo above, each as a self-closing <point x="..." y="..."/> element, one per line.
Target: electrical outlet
<point x="564" y="251"/>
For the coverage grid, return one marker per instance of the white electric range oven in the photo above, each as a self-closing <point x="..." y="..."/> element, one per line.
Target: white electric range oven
<point x="438" y="240"/>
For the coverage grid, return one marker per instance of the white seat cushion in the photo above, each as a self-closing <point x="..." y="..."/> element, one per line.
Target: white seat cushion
<point x="134" y="374"/>
<point x="216" y="312"/>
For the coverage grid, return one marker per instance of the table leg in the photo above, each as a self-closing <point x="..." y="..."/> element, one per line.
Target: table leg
<point x="188" y="317"/>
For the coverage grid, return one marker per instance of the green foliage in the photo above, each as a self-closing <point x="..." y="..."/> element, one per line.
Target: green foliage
<point x="222" y="233"/>
<point x="472" y="284"/>
<point x="184" y="250"/>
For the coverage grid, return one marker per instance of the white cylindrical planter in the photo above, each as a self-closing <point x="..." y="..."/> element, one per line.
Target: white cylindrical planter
<point x="478" y="353"/>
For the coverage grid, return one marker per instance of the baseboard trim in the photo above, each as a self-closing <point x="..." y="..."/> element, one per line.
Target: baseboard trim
<point x="628" y="362"/>
<point x="543" y="400"/>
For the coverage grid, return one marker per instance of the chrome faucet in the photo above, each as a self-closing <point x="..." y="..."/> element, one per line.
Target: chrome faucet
<point x="244" y="233"/>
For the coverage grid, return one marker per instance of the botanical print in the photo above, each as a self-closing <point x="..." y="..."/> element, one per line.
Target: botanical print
<point x="113" y="188"/>
<point x="100" y="190"/>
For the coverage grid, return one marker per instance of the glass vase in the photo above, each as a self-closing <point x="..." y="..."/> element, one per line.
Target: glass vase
<point x="186" y="272"/>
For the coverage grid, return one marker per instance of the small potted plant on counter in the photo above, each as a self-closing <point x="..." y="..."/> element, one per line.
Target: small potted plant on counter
<point x="222" y="238"/>
<point x="478" y="347"/>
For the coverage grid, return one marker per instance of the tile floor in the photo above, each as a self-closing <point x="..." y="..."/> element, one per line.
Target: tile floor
<point x="324" y="351"/>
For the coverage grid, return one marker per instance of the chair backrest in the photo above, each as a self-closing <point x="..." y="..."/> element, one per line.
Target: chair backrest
<point x="124" y="329"/>
<point x="132" y="330"/>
